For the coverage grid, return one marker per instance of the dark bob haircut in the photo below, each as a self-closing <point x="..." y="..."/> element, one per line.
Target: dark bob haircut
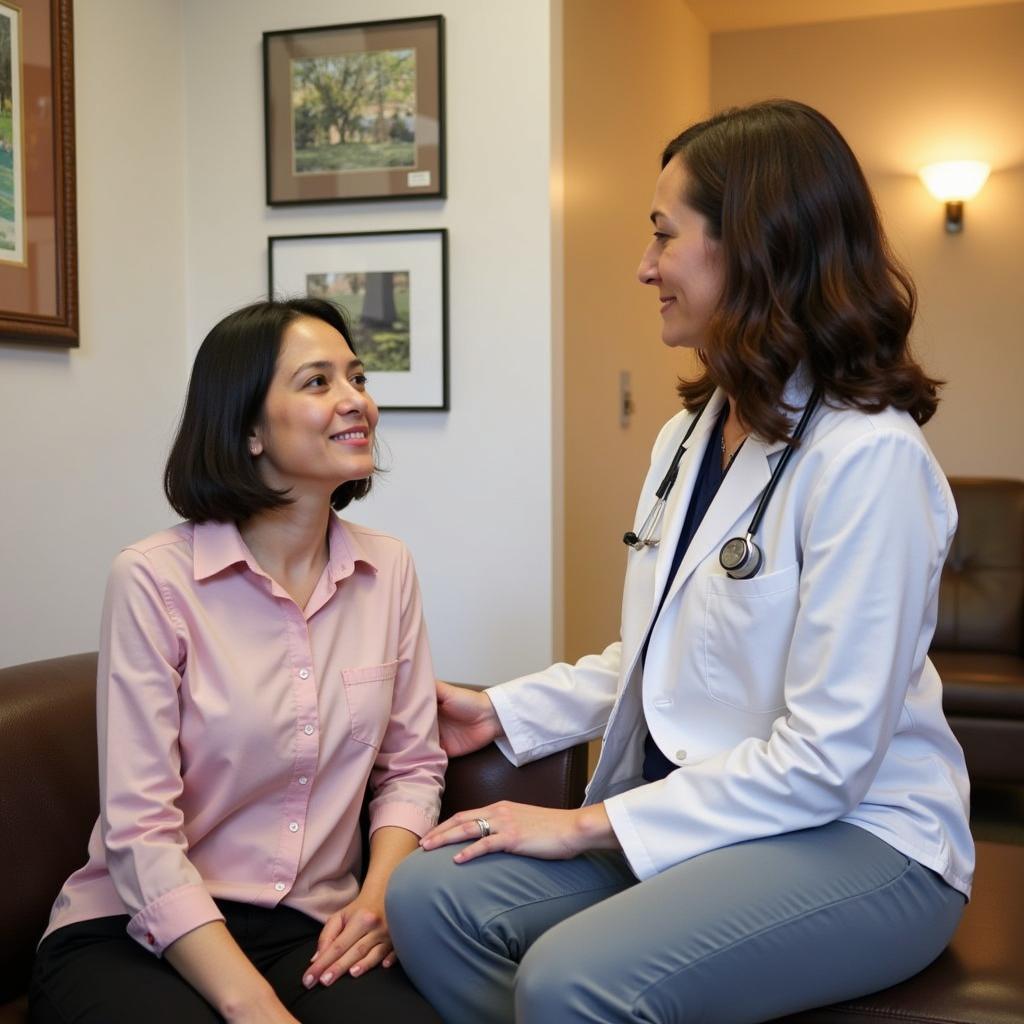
<point x="808" y="276"/>
<point x="210" y="473"/>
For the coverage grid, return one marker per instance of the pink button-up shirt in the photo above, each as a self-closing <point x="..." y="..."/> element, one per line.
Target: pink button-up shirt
<point x="238" y="732"/>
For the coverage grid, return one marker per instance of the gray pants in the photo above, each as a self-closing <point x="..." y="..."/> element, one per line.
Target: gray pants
<point x="742" y="934"/>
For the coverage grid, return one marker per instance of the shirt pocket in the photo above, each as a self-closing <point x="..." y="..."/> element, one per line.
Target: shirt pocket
<point x="368" y="692"/>
<point x="748" y="629"/>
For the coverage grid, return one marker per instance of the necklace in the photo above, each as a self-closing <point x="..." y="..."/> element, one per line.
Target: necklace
<point x="726" y="457"/>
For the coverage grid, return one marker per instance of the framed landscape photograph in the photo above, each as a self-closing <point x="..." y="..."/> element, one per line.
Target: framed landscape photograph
<point x="38" y="254"/>
<point x="355" y="112"/>
<point x="393" y="288"/>
<point x="12" y="140"/>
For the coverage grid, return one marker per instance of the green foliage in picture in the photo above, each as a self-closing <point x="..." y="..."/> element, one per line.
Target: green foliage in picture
<point x="8" y="153"/>
<point x="354" y="111"/>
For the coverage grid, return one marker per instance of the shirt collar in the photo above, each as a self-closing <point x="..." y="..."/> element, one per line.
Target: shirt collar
<point x="346" y="550"/>
<point x="217" y="545"/>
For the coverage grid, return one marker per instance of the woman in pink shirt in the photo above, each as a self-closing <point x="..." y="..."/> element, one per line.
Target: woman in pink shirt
<point x="263" y="667"/>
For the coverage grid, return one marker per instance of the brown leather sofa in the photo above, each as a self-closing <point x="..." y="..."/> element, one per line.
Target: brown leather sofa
<point x="48" y="802"/>
<point x="979" y="640"/>
<point x="49" y="798"/>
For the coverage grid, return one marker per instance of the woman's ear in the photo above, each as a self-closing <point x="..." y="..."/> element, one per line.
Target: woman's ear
<point x="255" y="446"/>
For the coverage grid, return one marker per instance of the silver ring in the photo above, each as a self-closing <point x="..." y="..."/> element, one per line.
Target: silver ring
<point x="484" y="825"/>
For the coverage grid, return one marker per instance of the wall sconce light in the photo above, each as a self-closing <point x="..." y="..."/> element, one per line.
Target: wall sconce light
<point x="953" y="183"/>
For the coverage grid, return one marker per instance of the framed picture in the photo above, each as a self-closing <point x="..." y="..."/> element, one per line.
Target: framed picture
<point x="393" y="287"/>
<point x="355" y="112"/>
<point x="38" y="251"/>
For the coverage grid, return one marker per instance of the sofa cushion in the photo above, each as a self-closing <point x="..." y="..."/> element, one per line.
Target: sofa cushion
<point x="982" y="684"/>
<point x="981" y="593"/>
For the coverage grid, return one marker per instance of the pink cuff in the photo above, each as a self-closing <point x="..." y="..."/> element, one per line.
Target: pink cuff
<point x="172" y="915"/>
<point x="406" y="815"/>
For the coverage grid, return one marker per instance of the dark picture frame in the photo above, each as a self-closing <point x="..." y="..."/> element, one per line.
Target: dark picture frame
<point x="39" y="282"/>
<point x="393" y="287"/>
<point x="355" y="112"/>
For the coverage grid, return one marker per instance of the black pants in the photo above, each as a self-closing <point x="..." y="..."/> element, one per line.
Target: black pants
<point x="93" y="973"/>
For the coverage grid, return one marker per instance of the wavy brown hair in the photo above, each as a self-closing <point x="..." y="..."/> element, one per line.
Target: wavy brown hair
<point x="808" y="273"/>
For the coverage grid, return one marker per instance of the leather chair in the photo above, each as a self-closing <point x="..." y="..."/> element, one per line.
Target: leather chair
<point x="49" y="799"/>
<point x="48" y="802"/>
<point x="979" y="640"/>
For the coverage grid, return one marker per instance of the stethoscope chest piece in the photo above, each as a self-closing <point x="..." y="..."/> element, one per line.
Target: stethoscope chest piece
<point x="740" y="557"/>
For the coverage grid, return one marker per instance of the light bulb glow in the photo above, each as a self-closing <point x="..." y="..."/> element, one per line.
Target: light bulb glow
<point x="956" y="180"/>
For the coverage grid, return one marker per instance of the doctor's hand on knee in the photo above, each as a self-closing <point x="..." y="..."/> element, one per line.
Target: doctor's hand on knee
<point x="466" y="719"/>
<point x="544" y="832"/>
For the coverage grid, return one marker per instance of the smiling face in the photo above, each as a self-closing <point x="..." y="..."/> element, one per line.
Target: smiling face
<point x="315" y="431"/>
<point x="682" y="261"/>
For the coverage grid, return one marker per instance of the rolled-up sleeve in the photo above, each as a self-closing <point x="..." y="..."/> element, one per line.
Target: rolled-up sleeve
<point x="141" y="652"/>
<point x="408" y="774"/>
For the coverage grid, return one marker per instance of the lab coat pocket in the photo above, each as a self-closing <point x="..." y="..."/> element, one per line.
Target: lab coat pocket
<point x="748" y="628"/>
<point x="368" y="692"/>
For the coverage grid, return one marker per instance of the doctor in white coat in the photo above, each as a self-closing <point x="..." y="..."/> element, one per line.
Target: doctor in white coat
<point x="778" y="819"/>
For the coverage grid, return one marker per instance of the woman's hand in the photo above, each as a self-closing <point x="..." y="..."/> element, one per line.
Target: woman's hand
<point x="466" y="719"/>
<point x="354" y="940"/>
<point x="543" y="832"/>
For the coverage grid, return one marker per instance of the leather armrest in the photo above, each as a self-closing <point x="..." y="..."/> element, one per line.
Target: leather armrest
<point x="487" y="776"/>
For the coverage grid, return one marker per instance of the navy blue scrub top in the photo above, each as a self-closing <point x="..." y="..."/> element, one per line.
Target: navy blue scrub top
<point x="709" y="479"/>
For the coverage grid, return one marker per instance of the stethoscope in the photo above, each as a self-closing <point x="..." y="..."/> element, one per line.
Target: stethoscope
<point x="740" y="557"/>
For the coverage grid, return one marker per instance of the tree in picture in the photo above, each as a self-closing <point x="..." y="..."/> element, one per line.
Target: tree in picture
<point x="377" y="307"/>
<point x="354" y="111"/>
<point x="10" y="140"/>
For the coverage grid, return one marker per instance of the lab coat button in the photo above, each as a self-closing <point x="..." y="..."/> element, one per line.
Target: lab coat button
<point x="680" y="755"/>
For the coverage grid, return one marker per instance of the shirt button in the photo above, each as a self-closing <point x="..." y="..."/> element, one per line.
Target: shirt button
<point x="680" y="755"/>
<point x="150" y="938"/>
<point x="279" y="886"/>
<point x="309" y="730"/>
<point x="303" y="780"/>
<point x="304" y="673"/>
<point x="293" y="826"/>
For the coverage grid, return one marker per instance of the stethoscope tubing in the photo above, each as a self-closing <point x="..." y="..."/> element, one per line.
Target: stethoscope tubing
<point x="766" y="494"/>
<point x="752" y="560"/>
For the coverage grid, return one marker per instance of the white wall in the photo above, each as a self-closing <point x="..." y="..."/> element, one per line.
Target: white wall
<point x="83" y="433"/>
<point x="471" y="490"/>
<point x="173" y="231"/>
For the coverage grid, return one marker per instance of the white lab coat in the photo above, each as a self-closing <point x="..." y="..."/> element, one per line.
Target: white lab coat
<point x="798" y="697"/>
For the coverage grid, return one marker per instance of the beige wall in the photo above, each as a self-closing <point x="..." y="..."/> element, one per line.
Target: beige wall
<point x="906" y="91"/>
<point x="634" y="75"/>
